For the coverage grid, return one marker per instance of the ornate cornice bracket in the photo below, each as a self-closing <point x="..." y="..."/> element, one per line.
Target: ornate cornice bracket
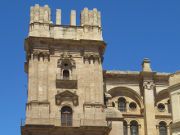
<point x="92" y="57"/>
<point x="39" y="54"/>
<point x="66" y="58"/>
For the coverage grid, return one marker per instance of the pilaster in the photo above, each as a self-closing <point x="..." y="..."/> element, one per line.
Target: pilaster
<point x="43" y="76"/>
<point x="33" y="77"/>
<point x="148" y="90"/>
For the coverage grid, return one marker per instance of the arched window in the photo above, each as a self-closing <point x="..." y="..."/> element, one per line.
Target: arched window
<point x="65" y="74"/>
<point x="169" y="106"/>
<point x="125" y="128"/>
<point x="113" y="104"/>
<point x="66" y="116"/>
<point x="134" y="128"/>
<point x="162" y="128"/>
<point x="122" y="104"/>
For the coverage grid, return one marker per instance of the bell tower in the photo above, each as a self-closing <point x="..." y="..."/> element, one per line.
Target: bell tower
<point x="65" y="76"/>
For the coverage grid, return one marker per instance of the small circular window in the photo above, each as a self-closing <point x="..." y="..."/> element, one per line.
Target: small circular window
<point x="161" y="107"/>
<point x="132" y="106"/>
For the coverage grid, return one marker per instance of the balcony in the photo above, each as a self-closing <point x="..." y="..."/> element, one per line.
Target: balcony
<point x="66" y="82"/>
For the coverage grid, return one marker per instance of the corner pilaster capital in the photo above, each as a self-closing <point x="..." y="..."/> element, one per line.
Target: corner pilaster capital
<point x="149" y="85"/>
<point x="92" y="56"/>
<point x="46" y="55"/>
<point x="35" y="54"/>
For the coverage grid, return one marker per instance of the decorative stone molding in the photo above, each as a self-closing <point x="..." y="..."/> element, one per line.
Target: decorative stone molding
<point x="146" y="65"/>
<point x="88" y="104"/>
<point x="66" y="58"/>
<point x="66" y="96"/>
<point x="37" y="54"/>
<point x="149" y="85"/>
<point x="92" y="57"/>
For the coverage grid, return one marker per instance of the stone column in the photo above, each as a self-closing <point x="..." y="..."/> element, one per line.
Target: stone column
<point x="42" y="77"/>
<point x="46" y="61"/>
<point x="127" y="106"/>
<point x="58" y="16"/>
<point x="174" y="90"/>
<point x="73" y="18"/>
<point x="98" y="75"/>
<point x="157" y="129"/>
<point x="92" y="83"/>
<point x="86" y="82"/>
<point x="149" y="108"/>
<point x="168" y="131"/>
<point x="129" y="130"/>
<point x="32" y="77"/>
<point x="148" y="92"/>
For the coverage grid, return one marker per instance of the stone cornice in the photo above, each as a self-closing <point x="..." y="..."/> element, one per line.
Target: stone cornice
<point x="159" y="78"/>
<point x="174" y="87"/>
<point x="51" y="44"/>
<point x="163" y="116"/>
<point x="133" y="115"/>
<point x="37" y="102"/>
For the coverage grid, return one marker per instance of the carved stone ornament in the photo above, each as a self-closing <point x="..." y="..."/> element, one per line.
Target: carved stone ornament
<point x="149" y="85"/>
<point x="37" y="54"/>
<point x="66" y="96"/>
<point x="66" y="58"/>
<point x="92" y="56"/>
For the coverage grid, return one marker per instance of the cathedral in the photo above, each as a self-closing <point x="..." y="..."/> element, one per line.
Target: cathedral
<point x="69" y="93"/>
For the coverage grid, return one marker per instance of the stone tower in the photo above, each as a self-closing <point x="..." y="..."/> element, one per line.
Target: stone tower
<point x="70" y="94"/>
<point x="65" y="80"/>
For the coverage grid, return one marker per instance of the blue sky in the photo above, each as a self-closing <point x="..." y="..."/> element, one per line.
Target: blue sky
<point x="132" y="29"/>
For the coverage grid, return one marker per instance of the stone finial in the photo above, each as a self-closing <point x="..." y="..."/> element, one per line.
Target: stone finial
<point x="58" y="16"/>
<point x="90" y="17"/>
<point x="40" y="14"/>
<point x="99" y="18"/>
<point x="146" y="65"/>
<point x="73" y="18"/>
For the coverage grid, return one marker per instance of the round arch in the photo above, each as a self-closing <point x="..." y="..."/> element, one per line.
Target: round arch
<point x="163" y="94"/>
<point x="125" y="91"/>
<point x="68" y="105"/>
<point x="66" y="116"/>
<point x="163" y="128"/>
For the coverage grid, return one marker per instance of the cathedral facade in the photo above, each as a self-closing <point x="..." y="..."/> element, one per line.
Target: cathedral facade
<point x="69" y="93"/>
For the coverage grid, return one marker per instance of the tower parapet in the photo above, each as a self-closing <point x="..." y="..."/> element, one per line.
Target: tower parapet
<point x="41" y="24"/>
<point x="40" y="14"/>
<point x="91" y="17"/>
